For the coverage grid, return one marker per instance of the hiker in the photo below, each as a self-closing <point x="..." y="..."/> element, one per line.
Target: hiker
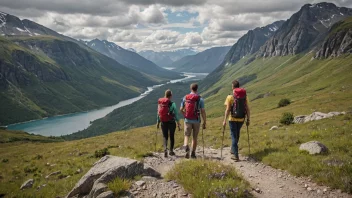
<point x="236" y="105"/>
<point x="167" y="116"/>
<point x="192" y="106"/>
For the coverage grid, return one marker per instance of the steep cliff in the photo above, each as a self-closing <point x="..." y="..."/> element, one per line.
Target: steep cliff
<point x="304" y="30"/>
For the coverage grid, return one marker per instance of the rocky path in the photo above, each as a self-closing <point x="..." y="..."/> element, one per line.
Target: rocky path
<point x="266" y="181"/>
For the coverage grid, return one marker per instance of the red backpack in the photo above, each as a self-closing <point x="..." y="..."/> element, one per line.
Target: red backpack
<point x="238" y="109"/>
<point x="191" y="106"/>
<point x="164" y="113"/>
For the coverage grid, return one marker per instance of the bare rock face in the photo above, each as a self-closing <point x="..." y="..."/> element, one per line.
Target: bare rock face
<point x="314" y="147"/>
<point x="336" y="44"/>
<point x="93" y="183"/>
<point x="304" y="30"/>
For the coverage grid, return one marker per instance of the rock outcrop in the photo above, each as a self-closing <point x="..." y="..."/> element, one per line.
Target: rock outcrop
<point x="314" y="147"/>
<point x="338" y="42"/>
<point x="251" y="42"/>
<point x="304" y="30"/>
<point x="315" y="116"/>
<point x="27" y="184"/>
<point x="94" y="183"/>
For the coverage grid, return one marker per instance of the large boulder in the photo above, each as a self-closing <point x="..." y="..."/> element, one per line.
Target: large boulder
<point x="315" y="116"/>
<point x="93" y="183"/>
<point x="27" y="184"/>
<point x="314" y="147"/>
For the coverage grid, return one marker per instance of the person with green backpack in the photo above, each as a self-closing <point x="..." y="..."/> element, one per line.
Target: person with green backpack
<point x="167" y="116"/>
<point x="238" y="106"/>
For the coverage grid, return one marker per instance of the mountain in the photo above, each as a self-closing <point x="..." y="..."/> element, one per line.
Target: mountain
<point x="304" y="30"/>
<point x="131" y="59"/>
<point x="339" y="40"/>
<point x="203" y="62"/>
<point x="165" y="58"/>
<point x="247" y="45"/>
<point x="48" y="74"/>
<point x="251" y="42"/>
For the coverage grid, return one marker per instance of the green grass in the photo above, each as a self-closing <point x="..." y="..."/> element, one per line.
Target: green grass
<point x="119" y="186"/>
<point x="209" y="179"/>
<point x="19" y="136"/>
<point x="342" y="25"/>
<point x="312" y="85"/>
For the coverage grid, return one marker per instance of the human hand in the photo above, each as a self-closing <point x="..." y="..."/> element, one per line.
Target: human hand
<point x="158" y="125"/>
<point x="224" y="124"/>
<point x="179" y="126"/>
<point x="204" y="125"/>
<point x="248" y="123"/>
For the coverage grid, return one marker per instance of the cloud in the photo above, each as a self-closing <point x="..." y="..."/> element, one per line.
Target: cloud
<point x="145" y="24"/>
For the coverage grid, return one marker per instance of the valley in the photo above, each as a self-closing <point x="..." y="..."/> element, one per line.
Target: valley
<point x="71" y="123"/>
<point x="293" y="66"/>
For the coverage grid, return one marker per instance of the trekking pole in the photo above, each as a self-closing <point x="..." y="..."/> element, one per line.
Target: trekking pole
<point x="249" y="145"/>
<point x="156" y="138"/>
<point x="222" y="142"/>
<point x="203" y="142"/>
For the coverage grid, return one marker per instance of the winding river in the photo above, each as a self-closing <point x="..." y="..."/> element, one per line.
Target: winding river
<point x="70" y="123"/>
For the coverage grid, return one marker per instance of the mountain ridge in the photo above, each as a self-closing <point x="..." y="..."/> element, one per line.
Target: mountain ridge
<point x="304" y="30"/>
<point x="202" y="62"/>
<point x="131" y="59"/>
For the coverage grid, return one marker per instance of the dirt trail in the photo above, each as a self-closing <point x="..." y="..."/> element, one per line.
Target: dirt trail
<point x="266" y="181"/>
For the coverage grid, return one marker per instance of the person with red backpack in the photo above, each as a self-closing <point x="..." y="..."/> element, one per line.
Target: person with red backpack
<point x="238" y="106"/>
<point x="167" y="116"/>
<point x="192" y="107"/>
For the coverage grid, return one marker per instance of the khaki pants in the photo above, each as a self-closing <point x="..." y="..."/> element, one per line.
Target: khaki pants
<point x="189" y="127"/>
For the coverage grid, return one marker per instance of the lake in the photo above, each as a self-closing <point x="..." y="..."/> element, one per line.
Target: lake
<point x="70" y="123"/>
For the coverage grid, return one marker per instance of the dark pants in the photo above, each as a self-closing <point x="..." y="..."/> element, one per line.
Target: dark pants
<point x="235" y="128"/>
<point x="169" y="127"/>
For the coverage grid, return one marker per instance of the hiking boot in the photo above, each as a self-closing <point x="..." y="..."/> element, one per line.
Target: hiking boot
<point x="193" y="155"/>
<point x="235" y="158"/>
<point x="187" y="152"/>
<point x="165" y="154"/>
<point x="187" y="155"/>
<point x="172" y="153"/>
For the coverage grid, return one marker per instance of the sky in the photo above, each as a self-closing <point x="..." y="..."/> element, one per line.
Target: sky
<point x="157" y="25"/>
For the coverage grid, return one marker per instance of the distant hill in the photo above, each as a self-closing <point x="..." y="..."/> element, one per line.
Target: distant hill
<point x="203" y="62"/>
<point x="165" y="58"/>
<point x="44" y="73"/>
<point x="131" y="59"/>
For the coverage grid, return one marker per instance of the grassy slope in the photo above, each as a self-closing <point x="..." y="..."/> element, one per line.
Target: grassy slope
<point x="313" y="85"/>
<point x="95" y="81"/>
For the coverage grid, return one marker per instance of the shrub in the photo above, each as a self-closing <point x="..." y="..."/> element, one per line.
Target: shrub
<point x="101" y="153"/>
<point x="119" y="186"/>
<point x="287" y="118"/>
<point x="38" y="157"/>
<point x="30" y="169"/>
<point x="284" y="102"/>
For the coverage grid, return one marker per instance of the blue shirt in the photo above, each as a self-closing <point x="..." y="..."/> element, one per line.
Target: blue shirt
<point x="201" y="106"/>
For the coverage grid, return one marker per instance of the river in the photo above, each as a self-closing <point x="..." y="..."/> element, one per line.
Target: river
<point x="70" y="123"/>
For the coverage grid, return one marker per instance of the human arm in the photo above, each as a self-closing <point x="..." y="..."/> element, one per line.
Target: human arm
<point x="174" y="111"/>
<point x="204" y="115"/>
<point x="227" y="112"/>
<point x="157" y="121"/>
